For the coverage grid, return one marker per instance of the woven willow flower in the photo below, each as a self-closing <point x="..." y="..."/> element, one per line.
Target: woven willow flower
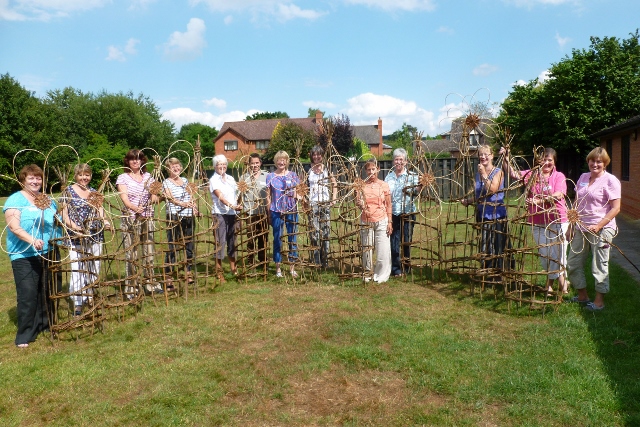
<point x="42" y="201"/>
<point x="573" y="216"/>
<point x="302" y="189"/>
<point x="155" y="188"/>
<point x="192" y="188"/>
<point x="243" y="187"/>
<point x="95" y="199"/>
<point x="427" y="180"/>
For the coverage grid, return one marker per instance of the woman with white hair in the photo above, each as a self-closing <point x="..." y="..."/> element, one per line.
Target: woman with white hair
<point x="404" y="187"/>
<point x="224" y="193"/>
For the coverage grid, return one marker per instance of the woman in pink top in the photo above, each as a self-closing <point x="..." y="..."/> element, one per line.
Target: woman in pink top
<point x="375" y="201"/>
<point x="597" y="203"/>
<point x="137" y="220"/>
<point x="546" y="189"/>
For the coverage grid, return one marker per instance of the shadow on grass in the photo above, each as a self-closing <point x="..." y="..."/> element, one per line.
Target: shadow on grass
<point x="616" y="334"/>
<point x="12" y="314"/>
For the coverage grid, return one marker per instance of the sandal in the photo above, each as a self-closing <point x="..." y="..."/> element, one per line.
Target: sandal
<point x="294" y="274"/>
<point x="23" y="345"/>
<point x="592" y="307"/>
<point x="221" y="277"/>
<point x="579" y="301"/>
<point x="279" y="273"/>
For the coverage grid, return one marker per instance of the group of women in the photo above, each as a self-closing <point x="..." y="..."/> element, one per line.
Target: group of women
<point x="387" y="215"/>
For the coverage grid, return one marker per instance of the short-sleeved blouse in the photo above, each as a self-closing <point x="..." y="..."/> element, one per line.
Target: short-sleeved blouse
<point x="282" y="190"/>
<point x="39" y="223"/>
<point x="375" y="199"/>
<point x="83" y="214"/>
<point x="180" y="194"/>
<point x="137" y="193"/>
<point x="229" y="190"/>
<point x="592" y="201"/>
<point x="546" y="186"/>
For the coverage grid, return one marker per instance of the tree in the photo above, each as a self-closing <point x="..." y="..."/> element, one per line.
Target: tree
<point x="267" y="115"/>
<point x="22" y="126"/>
<point x="312" y="112"/>
<point x="207" y="134"/>
<point x="342" y="134"/>
<point x="586" y="92"/>
<point x="403" y="137"/>
<point x="290" y="137"/>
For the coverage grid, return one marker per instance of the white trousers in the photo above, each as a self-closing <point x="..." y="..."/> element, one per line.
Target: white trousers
<point x="85" y="267"/>
<point x="377" y="235"/>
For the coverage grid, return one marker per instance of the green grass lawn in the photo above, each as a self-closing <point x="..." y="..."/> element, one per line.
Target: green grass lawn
<point x="326" y="352"/>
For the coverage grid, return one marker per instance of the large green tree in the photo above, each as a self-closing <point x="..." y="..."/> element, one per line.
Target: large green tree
<point x="590" y="90"/>
<point x="267" y="115"/>
<point x="403" y="137"/>
<point x="22" y="126"/>
<point x="292" y="138"/>
<point x="190" y="132"/>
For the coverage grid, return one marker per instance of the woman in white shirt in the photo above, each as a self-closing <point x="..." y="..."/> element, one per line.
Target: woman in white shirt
<point x="224" y="193"/>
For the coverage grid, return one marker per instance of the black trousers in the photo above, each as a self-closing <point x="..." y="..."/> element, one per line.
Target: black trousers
<point x="31" y="276"/>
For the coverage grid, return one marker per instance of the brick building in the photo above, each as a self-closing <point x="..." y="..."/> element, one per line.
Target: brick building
<point x="621" y="142"/>
<point x="236" y="139"/>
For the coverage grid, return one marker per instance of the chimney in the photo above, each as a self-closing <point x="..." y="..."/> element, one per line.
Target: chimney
<point x="319" y="115"/>
<point x="381" y="146"/>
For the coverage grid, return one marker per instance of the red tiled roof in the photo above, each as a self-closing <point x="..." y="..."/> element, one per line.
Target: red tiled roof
<point x="261" y="130"/>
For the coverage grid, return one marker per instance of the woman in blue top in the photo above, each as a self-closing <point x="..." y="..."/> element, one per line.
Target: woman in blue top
<point x="491" y="213"/>
<point x="282" y="201"/>
<point x="30" y="222"/>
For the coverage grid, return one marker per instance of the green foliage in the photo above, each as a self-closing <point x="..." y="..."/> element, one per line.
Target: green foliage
<point x="592" y="89"/>
<point x="360" y="148"/>
<point x="267" y="115"/>
<point x="312" y="112"/>
<point x="207" y="134"/>
<point x="290" y="137"/>
<point x="101" y="154"/>
<point x="403" y="137"/>
<point x="66" y="123"/>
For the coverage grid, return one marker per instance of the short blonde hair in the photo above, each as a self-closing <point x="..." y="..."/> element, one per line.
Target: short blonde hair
<point x="485" y="147"/>
<point x="599" y="153"/>
<point x="81" y="168"/>
<point x="281" y="155"/>
<point x="172" y="161"/>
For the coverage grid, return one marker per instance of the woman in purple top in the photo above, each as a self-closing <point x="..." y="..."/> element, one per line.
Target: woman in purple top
<point x="137" y="219"/>
<point x="546" y="190"/>
<point x="282" y="198"/>
<point x="597" y="202"/>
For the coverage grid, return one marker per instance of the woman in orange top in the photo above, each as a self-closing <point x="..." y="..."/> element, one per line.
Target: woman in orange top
<point x="375" y="201"/>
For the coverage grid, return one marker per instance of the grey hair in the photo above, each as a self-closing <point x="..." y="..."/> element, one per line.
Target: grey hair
<point x="400" y="152"/>
<point x="219" y="158"/>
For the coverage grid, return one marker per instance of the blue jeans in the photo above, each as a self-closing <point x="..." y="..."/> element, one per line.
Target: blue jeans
<point x="402" y="231"/>
<point x="278" y="221"/>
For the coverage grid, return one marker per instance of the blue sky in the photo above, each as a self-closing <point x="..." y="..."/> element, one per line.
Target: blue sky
<point x="211" y="61"/>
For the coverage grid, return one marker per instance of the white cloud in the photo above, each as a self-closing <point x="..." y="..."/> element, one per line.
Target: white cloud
<point x="115" y="54"/>
<point x="562" y="41"/>
<point x="228" y="19"/>
<point x="140" y="4"/>
<point x="544" y="76"/>
<point x="319" y="105"/>
<point x="218" y="103"/>
<point x="532" y="3"/>
<point x="287" y="12"/>
<point x="130" y="47"/>
<point x="409" y="5"/>
<point x="35" y="83"/>
<point x="366" y="108"/>
<point x="484" y="70"/>
<point x="446" y="30"/>
<point x="183" y="116"/>
<point x="44" y="10"/>
<point x="283" y="10"/>
<point x="187" y="45"/>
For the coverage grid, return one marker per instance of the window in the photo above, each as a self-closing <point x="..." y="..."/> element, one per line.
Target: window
<point x="609" y="149"/>
<point x="231" y="145"/>
<point x="474" y="138"/>
<point x="262" y="145"/>
<point x="624" y="158"/>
